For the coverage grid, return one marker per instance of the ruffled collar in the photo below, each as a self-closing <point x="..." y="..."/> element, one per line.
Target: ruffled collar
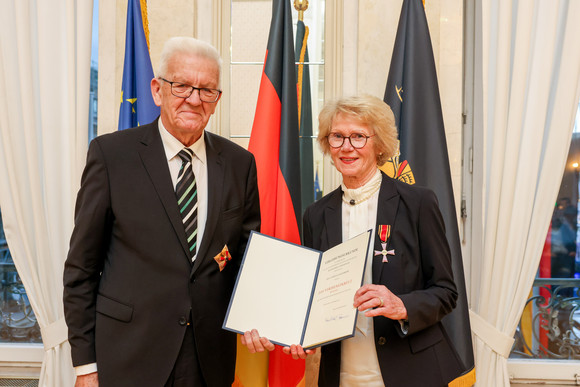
<point x="354" y="196"/>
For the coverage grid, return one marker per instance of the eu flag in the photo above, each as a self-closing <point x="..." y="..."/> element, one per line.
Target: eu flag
<point x="137" y="106"/>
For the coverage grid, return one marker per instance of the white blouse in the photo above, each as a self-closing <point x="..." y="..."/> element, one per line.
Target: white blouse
<point x="359" y="364"/>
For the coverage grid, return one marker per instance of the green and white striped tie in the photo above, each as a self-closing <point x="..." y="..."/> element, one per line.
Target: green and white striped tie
<point x="186" y="191"/>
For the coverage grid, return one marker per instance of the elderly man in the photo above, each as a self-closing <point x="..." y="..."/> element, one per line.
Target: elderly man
<point x="163" y="216"/>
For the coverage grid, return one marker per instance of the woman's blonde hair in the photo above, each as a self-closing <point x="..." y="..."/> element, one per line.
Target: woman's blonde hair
<point x="367" y="110"/>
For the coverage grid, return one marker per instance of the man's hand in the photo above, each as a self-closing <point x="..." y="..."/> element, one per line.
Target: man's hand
<point x="88" y="380"/>
<point x="298" y="352"/>
<point x="255" y="343"/>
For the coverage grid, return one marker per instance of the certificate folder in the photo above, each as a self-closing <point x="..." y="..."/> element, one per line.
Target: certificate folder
<point x="296" y="295"/>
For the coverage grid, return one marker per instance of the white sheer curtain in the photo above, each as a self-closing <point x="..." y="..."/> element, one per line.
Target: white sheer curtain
<point x="528" y="83"/>
<point x="44" y="101"/>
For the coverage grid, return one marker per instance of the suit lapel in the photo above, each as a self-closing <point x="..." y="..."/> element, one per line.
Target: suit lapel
<point x="332" y="235"/>
<point x="386" y="214"/>
<point x="153" y="157"/>
<point x="215" y="180"/>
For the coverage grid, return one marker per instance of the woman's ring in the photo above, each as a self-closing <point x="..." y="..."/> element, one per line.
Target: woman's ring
<point x="381" y="304"/>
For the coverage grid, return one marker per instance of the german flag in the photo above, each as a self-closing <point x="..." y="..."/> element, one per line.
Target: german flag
<point x="275" y="144"/>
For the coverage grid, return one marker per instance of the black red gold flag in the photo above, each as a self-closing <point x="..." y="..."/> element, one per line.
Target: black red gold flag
<point x="412" y="93"/>
<point x="275" y="144"/>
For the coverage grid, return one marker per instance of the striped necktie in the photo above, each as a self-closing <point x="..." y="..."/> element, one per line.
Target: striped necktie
<point x="186" y="192"/>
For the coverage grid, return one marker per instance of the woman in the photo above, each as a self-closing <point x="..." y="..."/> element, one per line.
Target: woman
<point x="408" y="285"/>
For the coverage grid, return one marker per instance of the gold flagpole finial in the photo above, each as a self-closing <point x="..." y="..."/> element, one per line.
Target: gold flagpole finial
<point x="301" y="6"/>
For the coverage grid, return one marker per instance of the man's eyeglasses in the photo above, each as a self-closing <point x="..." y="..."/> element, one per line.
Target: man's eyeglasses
<point x="181" y="90"/>
<point x="357" y="140"/>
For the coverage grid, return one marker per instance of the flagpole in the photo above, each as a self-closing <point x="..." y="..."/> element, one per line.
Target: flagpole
<point x="301" y="6"/>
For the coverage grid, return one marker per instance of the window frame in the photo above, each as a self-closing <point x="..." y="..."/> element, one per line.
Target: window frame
<point x="546" y="372"/>
<point x="20" y="360"/>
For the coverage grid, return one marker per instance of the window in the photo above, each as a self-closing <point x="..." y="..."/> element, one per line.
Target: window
<point x="545" y="351"/>
<point x="21" y="350"/>
<point x="549" y="328"/>
<point x="248" y="37"/>
<point x="17" y="321"/>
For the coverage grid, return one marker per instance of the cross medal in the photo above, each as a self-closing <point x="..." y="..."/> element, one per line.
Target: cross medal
<point x="384" y="234"/>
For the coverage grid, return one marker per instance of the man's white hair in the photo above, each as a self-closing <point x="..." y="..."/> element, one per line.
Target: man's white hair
<point x="191" y="46"/>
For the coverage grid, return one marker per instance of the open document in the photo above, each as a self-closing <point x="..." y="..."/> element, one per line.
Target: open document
<point x="296" y="295"/>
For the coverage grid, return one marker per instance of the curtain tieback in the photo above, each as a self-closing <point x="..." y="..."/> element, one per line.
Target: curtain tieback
<point x="498" y="341"/>
<point x="54" y="334"/>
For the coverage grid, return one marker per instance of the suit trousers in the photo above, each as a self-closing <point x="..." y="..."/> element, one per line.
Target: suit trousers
<point x="187" y="371"/>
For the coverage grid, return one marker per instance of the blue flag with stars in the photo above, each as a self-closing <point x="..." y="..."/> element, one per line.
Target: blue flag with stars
<point x="137" y="106"/>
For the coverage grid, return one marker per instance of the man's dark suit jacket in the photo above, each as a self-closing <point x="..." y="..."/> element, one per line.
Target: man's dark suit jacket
<point x="129" y="283"/>
<point x="419" y="273"/>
